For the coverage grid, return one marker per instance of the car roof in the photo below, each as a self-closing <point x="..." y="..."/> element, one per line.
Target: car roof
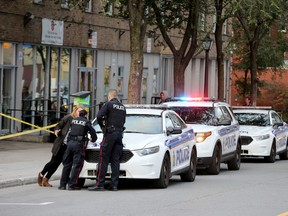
<point x="145" y="109"/>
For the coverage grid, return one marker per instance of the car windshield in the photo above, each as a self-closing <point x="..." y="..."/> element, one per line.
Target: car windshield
<point x="195" y="115"/>
<point x="136" y="123"/>
<point x="257" y="119"/>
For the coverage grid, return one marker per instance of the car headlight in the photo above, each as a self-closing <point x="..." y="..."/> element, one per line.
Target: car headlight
<point x="147" y="151"/>
<point x="262" y="137"/>
<point x="200" y="137"/>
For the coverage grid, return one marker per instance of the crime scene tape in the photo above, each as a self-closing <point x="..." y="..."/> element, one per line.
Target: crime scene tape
<point x="26" y="132"/>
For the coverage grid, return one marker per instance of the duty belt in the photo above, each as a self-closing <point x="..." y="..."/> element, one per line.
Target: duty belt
<point x="110" y="129"/>
<point x="76" y="138"/>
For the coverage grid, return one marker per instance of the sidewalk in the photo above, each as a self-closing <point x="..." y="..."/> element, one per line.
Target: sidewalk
<point x="20" y="162"/>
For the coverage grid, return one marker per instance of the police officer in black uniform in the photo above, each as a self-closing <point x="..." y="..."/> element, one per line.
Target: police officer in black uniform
<point x="111" y="119"/>
<point x="74" y="155"/>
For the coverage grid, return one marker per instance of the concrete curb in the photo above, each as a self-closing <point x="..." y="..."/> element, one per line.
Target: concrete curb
<point x="22" y="181"/>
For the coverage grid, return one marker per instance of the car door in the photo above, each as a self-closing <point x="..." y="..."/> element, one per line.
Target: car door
<point x="280" y="131"/>
<point x="228" y="132"/>
<point x="179" y="144"/>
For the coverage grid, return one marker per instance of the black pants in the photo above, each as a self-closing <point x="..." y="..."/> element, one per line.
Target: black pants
<point x="55" y="161"/>
<point x="110" y="151"/>
<point x="72" y="163"/>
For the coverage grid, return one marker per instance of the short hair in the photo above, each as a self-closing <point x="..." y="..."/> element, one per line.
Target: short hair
<point x="113" y="93"/>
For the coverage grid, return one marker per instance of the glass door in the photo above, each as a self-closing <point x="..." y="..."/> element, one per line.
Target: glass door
<point x="6" y="98"/>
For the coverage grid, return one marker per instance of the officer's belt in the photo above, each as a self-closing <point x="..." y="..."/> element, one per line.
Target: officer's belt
<point x="112" y="128"/>
<point x="75" y="138"/>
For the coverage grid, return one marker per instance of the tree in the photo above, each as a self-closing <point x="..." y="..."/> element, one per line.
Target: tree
<point x="222" y="12"/>
<point x="256" y="17"/>
<point x="180" y="16"/>
<point x="138" y="27"/>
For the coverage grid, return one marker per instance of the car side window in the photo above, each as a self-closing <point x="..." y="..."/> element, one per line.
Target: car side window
<point x="168" y="122"/>
<point x="227" y="115"/>
<point x="275" y="118"/>
<point x="177" y="121"/>
<point x="219" y="114"/>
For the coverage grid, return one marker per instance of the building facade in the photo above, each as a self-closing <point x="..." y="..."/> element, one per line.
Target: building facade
<point x="49" y="52"/>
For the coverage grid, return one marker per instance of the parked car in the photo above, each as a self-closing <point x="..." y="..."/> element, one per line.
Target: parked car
<point x="263" y="133"/>
<point x="157" y="144"/>
<point x="216" y="129"/>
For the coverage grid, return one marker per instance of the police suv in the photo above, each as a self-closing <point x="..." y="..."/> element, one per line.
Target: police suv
<point x="216" y="129"/>
<point x="157" y="144"/>
<point x="263" y="133"/>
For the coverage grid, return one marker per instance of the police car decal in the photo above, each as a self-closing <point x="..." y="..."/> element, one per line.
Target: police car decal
<point x="185" y="137"/>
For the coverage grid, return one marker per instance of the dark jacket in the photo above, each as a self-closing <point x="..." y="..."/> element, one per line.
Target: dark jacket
<point x="64" y="126"/>
<point x="113" y="113"/>
<point x="80" y="126"/>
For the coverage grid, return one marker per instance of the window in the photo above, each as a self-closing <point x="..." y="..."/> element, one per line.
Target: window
<point x="226" y="113"/>
<point x="88" y="6"/>
<point x="155" y="81"/>
<point x="202" y="22"/>
<point x="120" y="79"/>
<point x="65" y="4"/>
<point x="38" y="1"/>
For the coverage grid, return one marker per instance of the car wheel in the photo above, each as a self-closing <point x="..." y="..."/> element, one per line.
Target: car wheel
<point x="163" y="181"/>
<point x="81" y="182"/>
<point x="272" y="157"/>
<point x="235" y="163"/>
<point x="284" y="155"/>
<point x="214" y="168"/>
<point x="190" y="175"/>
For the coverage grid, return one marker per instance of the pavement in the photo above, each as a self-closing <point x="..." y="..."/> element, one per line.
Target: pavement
<point x="20" y="162"/>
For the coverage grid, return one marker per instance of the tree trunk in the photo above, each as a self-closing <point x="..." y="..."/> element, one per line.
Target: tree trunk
<point x="179" y="71"/>
<point x="253" y="67"/>
<point x="137" y="34"/>
<point x="219" y="49"/>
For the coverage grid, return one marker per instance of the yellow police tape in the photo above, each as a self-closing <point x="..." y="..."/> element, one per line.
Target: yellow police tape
<point x="26" y="132"/>
<point x="283" y="214"/>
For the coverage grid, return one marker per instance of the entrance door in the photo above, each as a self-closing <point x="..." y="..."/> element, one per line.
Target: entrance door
<point x="6" y="98"/>
<point x="86" y="80"/>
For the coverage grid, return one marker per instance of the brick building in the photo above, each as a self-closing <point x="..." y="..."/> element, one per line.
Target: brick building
<point x="48" y="52"/>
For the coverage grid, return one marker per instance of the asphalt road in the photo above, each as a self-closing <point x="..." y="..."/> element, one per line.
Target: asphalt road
<point x="258" y="188"/>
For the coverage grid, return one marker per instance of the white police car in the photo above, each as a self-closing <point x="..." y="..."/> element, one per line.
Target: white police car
<point x="216" y="129"/>
<point x="157" y="144"/>
<point x="263" y="133"/>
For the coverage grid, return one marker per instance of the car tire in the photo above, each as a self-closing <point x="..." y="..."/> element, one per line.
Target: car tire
<point x="284" y="155"/>
<point x="214" y="168"/>
<point x="165" y="173"/>
<point x="272" y="157"/>
<point x="190" y="175"/>
<point x="81" y="182"/>
<point x="235" y="163"/>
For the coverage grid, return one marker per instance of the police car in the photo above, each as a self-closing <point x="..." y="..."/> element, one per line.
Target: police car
<point x="157" y="144"/>
<point x="263" y="133"/>
<point x="216" y="129"/>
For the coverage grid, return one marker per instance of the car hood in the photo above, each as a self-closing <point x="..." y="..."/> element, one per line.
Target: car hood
<point x="134" y="141"/>
<point x="254" y="130"/>
<point x="202" y="128"/>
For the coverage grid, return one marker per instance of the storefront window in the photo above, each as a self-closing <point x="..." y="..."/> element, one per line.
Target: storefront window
<point x="8" y="53"/>
<point x="86" y="58"/>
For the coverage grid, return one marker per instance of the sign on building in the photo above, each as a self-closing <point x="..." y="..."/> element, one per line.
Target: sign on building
<point x="52" y="31"/>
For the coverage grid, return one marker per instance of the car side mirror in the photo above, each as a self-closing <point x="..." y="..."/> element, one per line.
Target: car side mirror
<point x="277" y="124"/>
<point x="171" y="130"/>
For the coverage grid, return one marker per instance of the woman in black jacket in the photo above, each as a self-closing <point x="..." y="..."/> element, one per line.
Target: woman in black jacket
<point x="61" y="130"/>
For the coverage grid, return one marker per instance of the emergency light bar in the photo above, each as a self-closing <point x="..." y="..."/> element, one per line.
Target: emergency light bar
<point x="252" y="107"/>
<point x="191" y="99"/>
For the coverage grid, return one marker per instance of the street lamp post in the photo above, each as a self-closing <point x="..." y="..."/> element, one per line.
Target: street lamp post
<point x="207" y="45"/>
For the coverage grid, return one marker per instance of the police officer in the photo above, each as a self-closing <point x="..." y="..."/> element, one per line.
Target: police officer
<point x="74" y="155"/>
<point x="111" y="119"/>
